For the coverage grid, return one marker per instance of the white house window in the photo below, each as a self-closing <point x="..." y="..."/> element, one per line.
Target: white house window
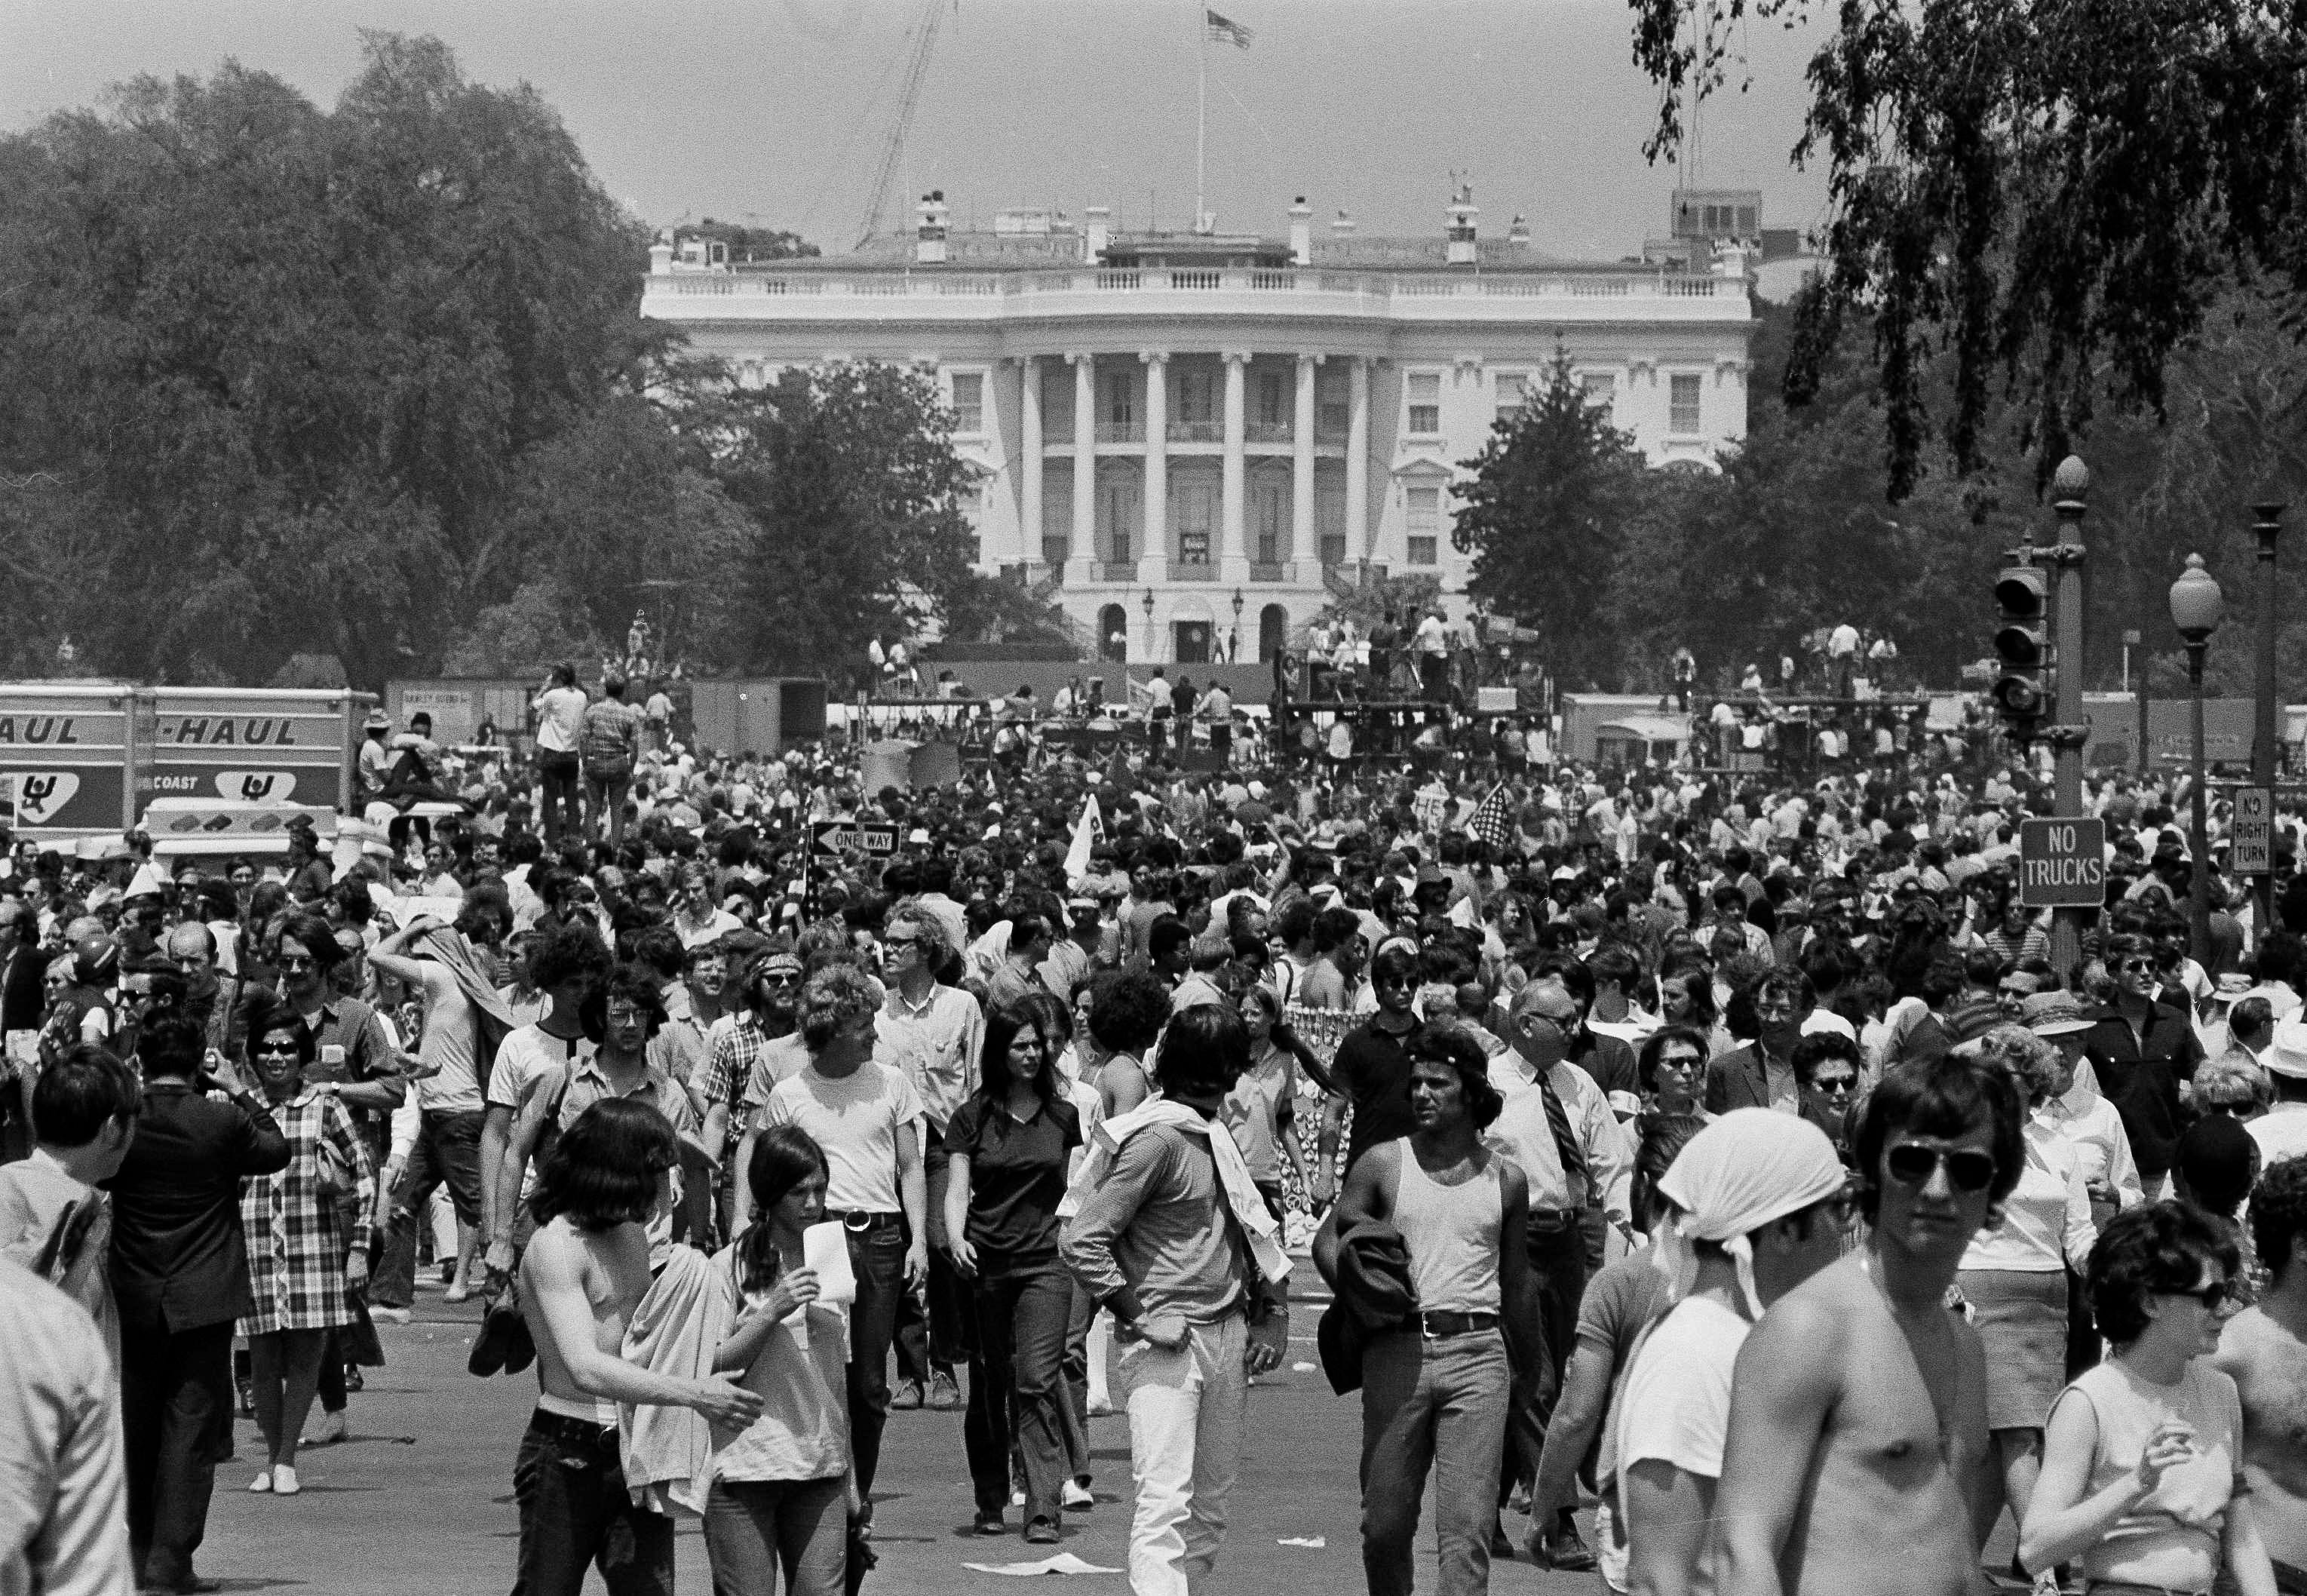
<point x="1425" y="403"/>
<point x="1273" y="400"/>
<point x="1193" y="517"/>
<point x="1272" y="500"/>
<point x="1330" y="523"/>
<point x="1425" y="523"/>
<point x="1682" y="403"/>
<point x="1512" y="386"/>
<point x="1331" y="404"/>
<point x="1601" y="391"/>
<point x="968" y="404"/>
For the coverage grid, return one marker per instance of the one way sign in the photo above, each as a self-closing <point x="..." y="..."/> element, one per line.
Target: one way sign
<point x="829" y="839"/>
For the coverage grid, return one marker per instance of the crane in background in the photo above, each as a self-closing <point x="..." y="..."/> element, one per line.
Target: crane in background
<point x="909" y="92"/>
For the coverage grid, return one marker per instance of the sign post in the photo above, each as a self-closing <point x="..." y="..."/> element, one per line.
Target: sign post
<point x="828" y="839"/>
<point x="2062" y="864"/>
<point x="2251" y="836"/>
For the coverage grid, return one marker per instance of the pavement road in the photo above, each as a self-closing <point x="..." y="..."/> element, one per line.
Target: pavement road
<point x="419" y="1498"/>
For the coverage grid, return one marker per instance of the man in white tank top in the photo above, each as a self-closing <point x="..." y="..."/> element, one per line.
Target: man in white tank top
<point x="1436" y="1390"/>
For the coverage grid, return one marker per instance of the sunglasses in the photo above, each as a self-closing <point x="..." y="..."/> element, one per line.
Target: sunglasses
<point x="288" y="962"/>
<point x="1967" y="1170"/>
<point x="1836" y="1085"/>
<point x="894" y="943"/>
<point x="2136" y="966"/>
<point x="2213" y="1296"/>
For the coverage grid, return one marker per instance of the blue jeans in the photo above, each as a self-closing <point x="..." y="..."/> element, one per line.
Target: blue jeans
<point x="1438" y="1404"/>
<point x="1016" y="1388"/>
<point x="755" y="1527"/>
<point x="576" y="1513"/>
<point x="876" y="1258"/>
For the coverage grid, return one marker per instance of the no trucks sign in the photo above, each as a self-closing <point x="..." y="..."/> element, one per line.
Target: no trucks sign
<point x="2062" y="864"/>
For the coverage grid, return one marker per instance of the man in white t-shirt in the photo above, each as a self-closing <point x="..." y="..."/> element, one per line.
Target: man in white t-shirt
<point x="867" y="1120"/>
<point x="1756" y="1199"/>
<point x="560" y="707"/>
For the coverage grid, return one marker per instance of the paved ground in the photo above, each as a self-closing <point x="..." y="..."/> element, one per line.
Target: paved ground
<point x="419" y="1499"/>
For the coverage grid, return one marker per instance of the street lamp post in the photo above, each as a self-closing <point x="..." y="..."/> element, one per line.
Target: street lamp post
<point x="2196" y="605"/>
<point x="1233" y="640"/>
<point x="2266" y="526"/>
<point x="1147" y="605"/>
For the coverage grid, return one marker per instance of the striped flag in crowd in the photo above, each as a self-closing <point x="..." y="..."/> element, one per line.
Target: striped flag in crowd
<point x="1491" y="822"/>
<point x="1224" y="31"/>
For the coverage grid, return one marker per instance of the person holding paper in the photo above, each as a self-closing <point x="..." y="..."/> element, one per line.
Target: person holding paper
<point x="782" y="1494"/>
<point x="1009" y="1147"/>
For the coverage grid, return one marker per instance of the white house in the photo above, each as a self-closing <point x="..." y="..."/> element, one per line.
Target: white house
<point x="1190" y="439"/>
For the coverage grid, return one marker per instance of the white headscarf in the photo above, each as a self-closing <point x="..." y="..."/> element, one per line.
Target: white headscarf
<point x="1745" y="1169"/>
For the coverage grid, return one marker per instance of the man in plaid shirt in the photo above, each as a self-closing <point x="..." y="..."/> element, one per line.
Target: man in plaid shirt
<point x="732" y="1080"/>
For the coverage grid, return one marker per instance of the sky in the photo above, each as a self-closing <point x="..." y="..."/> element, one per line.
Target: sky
<point x="776" y="112"/>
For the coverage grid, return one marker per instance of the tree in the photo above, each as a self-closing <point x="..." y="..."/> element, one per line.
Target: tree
<point x="749" y="244"/>
<point x="848" y="475"/>
<point x="1544" y="516"/>
<point x="292" y="363"/>
<point x="2057" y="194"/>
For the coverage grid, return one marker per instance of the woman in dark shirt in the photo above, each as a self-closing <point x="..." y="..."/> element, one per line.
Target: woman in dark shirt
<point x="1008" y="1147"/>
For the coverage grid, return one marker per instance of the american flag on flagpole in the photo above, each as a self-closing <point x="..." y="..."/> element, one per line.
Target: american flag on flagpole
<point x="1224" y="30"/>
<point x="1490" y="823"/>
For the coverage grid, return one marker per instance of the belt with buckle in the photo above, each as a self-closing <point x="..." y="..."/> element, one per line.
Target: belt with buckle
<point x="863" y="1219"/>
<point x="1434" y="1325"/>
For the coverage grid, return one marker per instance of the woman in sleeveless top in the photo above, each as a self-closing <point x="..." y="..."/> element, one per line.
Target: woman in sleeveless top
<point x="2142" y="1466"/>
<point x="1436" y="1390"/>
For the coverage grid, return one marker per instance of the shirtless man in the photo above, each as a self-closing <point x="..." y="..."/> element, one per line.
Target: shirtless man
<point x="1857" y="1457"/>
<point x="580" y="1280"/>
<point x="2265" y="1349"/>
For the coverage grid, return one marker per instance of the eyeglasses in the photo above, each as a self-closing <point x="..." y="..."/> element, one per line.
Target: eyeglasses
<point x="1911" y="1163"/>
<point x="2136" y="966"/>
<point x="273" y="1050"/>
<point x="289" y="963"/>
<point x="894" y="943"/>
<point x="1836" y="1085"/>
<point x="626" y="1017"/>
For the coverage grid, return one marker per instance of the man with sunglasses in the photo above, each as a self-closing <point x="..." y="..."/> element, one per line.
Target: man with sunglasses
<point x="750" y="1053"/>
<point x="1858" y="1436"/>
<point x="2142" y="1050"/>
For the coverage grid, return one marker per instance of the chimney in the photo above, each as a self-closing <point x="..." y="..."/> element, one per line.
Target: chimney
<point x="1459" y="231"/>
<point x="1301" y="233"/>
<point x="1343" y="226"/>
<point x="661" y="253"/>
<point x="929" y="228"/>
<point x="1099" y="236"/>
<point x="1518" y="233"/>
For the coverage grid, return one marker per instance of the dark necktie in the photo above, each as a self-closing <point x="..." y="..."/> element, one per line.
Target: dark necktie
<point x="1565" y="1140"/>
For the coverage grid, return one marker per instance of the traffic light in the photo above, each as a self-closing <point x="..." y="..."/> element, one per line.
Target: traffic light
<point x="2021" y="648"/>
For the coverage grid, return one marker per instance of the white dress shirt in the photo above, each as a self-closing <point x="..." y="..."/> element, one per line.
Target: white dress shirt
<point x="1522" y="1135"/>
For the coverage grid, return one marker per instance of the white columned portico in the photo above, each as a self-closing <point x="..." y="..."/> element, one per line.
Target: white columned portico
<point x="1154" y="547"/>
<point x="1029" y="459"/>
<point x="1084" y="455"/>
<point x="1358" y="386"/>
<point x="1301" y="463"/>
<point x="1233" y="548"/>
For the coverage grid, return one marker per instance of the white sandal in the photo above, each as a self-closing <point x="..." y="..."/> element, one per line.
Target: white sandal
<point x="263" y="1484"/>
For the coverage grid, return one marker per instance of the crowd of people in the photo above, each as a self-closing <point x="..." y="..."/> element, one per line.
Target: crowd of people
<point x="1744" y="1160"/>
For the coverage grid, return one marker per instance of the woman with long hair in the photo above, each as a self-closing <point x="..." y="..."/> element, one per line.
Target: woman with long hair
<point x="1010" y="1146"/>
<point x="781" y="1488"/>
<point x="297" y="1223"/>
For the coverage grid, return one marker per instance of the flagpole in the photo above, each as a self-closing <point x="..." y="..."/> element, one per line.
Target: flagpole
<point x="1201" y="116"/>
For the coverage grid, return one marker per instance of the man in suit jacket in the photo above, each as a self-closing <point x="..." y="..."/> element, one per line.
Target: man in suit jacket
<point x="1761" y="1074"/>
<point x="180" y="1277"/>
